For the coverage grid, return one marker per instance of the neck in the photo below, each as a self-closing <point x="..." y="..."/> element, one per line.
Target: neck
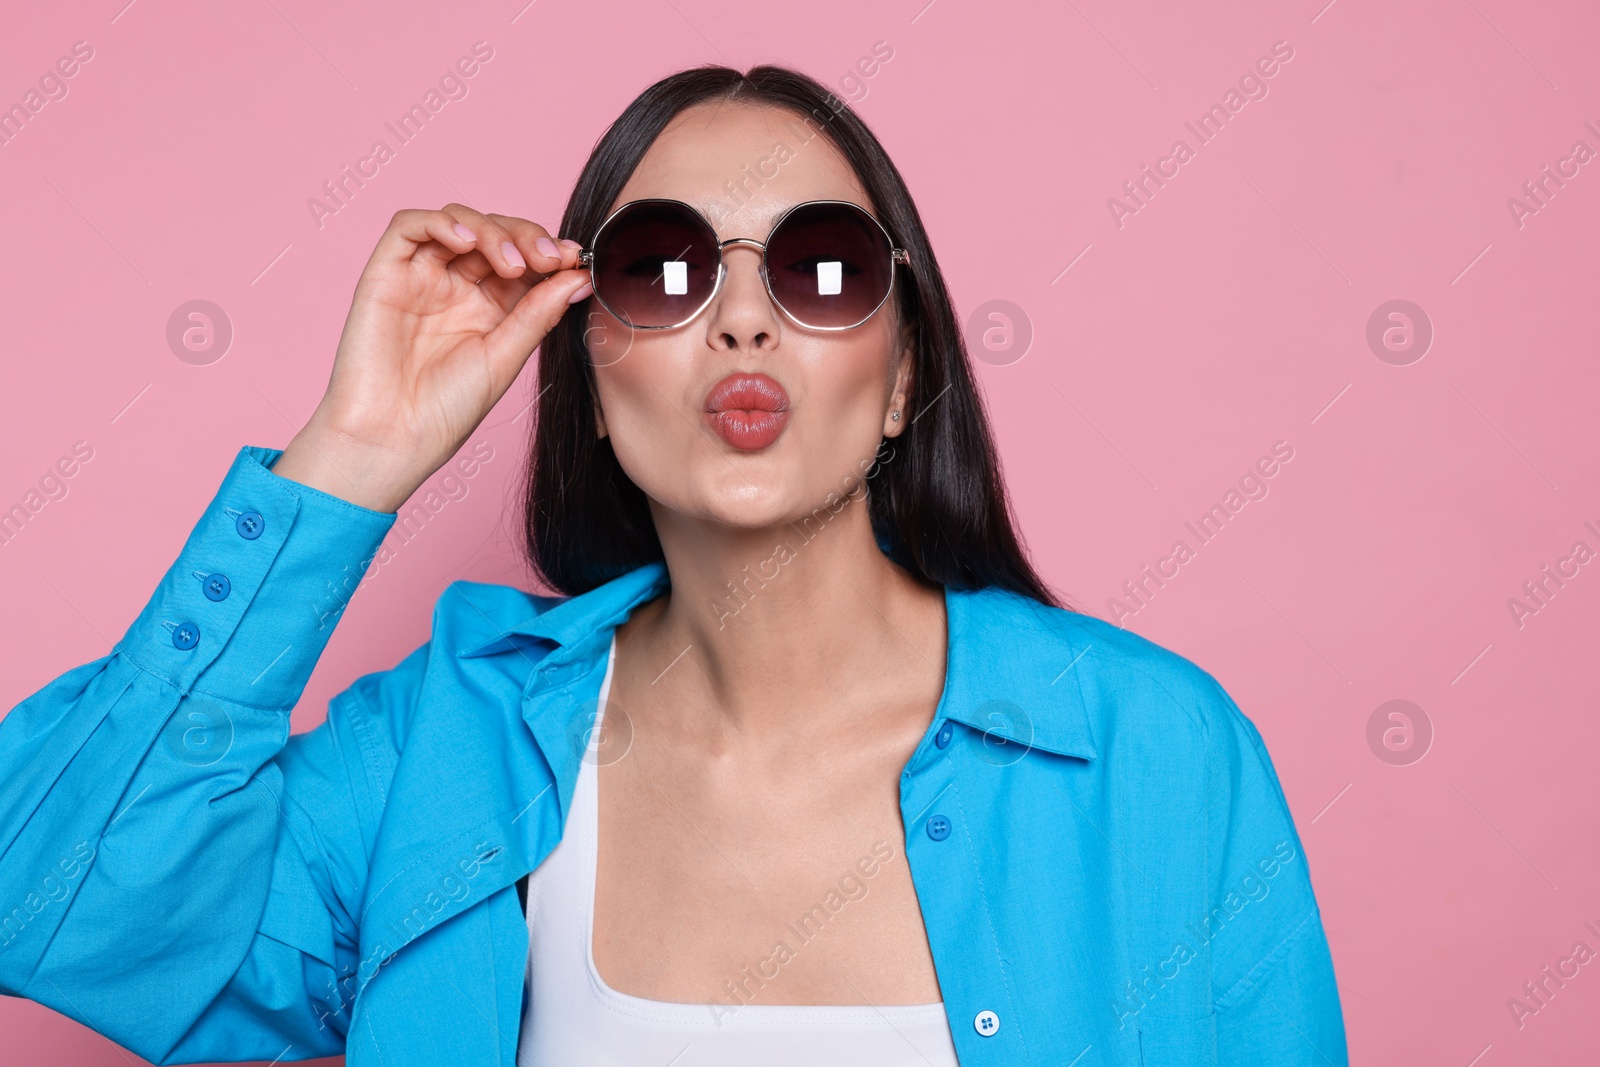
<point x="774" y="620"/>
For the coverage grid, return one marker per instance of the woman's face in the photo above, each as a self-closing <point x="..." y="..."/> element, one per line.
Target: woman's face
<point x="841" y="385"/>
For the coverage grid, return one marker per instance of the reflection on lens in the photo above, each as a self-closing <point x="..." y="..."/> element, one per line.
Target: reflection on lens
<point x="830" y="276"/>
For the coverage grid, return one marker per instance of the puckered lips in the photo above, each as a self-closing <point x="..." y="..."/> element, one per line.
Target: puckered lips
<point x="749" y="411"/>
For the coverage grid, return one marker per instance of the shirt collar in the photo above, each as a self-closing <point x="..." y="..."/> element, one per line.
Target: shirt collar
<point x="572" y="619"/>
<point x="1013" y="673"/>
<point x="1012" y="669"/>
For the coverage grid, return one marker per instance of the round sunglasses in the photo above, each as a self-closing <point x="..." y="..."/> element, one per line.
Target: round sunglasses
<point x="827" y="264"/>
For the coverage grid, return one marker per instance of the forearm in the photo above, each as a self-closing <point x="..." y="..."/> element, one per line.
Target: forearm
<point x="141" y="820"/>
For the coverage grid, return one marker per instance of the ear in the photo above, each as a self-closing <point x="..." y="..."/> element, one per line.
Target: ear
<point x="900" y="396"/>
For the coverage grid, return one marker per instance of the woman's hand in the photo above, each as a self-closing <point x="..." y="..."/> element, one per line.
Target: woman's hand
<point x="448" y="309"/>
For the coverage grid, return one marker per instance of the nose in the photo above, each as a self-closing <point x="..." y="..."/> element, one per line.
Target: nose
<point x="743" y="318"/>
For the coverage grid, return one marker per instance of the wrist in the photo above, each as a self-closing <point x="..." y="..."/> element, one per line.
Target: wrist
<point x="374" y="477"/>
<point x="287" y="575"/>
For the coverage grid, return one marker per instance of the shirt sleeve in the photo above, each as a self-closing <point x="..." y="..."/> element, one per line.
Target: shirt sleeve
<point x="1274" y="995"/>
<point x="171" y="874"/>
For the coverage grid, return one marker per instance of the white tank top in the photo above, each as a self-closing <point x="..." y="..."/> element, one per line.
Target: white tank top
<point x="570" y="1016"/>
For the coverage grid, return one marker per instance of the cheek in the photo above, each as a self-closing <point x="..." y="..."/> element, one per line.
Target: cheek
<point x="605" y="339"/>
<point x="850" y="379"/>
<point x="641" y="397"/>
<point x="650" y="420"/>
<point x="846" y="386"/>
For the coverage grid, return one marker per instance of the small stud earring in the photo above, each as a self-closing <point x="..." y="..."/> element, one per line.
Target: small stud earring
<point x="895" y="416"/>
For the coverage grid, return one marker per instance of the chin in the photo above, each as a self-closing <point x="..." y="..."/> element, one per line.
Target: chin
<point x="756" y="509"/>
<point x="749" y="500"/>
<point x="755" y="490"/>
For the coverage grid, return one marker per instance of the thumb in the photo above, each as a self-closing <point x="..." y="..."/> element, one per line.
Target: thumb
<point x="511" y="342"/>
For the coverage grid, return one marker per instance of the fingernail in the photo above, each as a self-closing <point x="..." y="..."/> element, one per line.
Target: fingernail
<point x="564" y="243"/>
<point x="547" y="246"/>
<point x="466" y="233"/>
<point x="513" y="257"/>
<point x="580" y="293"/>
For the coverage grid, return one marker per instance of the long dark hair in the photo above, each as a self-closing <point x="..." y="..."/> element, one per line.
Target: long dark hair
<point x="938" y="506"/>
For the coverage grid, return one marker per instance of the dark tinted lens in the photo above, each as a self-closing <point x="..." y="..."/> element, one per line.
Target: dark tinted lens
<point x="655" y="263"/>
<point x="829" y="264"/>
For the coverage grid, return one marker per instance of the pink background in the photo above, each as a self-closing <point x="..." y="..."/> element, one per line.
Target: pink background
<point x="1230" y="312"/>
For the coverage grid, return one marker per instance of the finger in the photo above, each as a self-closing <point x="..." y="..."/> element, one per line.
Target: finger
<point x="476" y="268"/>
<point x="416" y="233"/>
<point x="538" y="247"/>
<point x="473" y="230"/>
<point x="511" y="342"/>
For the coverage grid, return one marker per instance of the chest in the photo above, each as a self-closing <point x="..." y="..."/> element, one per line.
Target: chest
<point x="701" y="879"/>
<point x="789" y="863"/>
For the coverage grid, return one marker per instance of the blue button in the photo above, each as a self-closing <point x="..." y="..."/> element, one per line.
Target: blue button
<point x="185" y="636"/>
<point x="942" y="738"/>
<point x="250" y="525"/>
<point x="938" y="827"/>
<point x="216" y="586"/>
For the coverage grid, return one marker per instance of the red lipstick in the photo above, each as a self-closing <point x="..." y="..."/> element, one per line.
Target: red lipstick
<point x="749" y="411"/>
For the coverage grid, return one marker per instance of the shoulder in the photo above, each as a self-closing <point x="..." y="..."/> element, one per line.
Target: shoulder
<point x="1127" y="684"/>
<point x="471" y="622"/>
<point x="1164" y="730"/>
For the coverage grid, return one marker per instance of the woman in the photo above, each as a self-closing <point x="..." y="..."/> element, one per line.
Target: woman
<point x="864" y="793"/>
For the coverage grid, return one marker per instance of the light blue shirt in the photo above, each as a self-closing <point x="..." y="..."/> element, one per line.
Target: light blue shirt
<point x="1106" y="866"/>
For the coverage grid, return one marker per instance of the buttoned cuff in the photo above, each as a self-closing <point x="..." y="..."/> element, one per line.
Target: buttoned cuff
<point x="247" y="608"/>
